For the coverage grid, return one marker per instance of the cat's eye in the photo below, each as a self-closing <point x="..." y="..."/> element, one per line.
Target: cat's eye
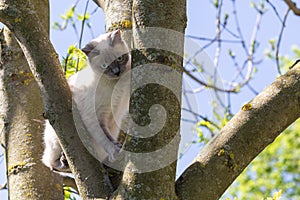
<point x="104" y="66"/>
<point x="121" y="59"/>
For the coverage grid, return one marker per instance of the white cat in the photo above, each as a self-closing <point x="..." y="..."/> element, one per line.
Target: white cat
<point x="101" y="109"/>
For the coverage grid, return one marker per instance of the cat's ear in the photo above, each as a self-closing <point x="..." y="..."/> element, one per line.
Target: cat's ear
<point x="89" y="47"/>
<point x="115" y="37"/>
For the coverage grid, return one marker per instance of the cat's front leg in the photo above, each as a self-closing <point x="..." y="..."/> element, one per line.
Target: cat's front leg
<point x="53" y="156"/>
<point x="111" y="146"/>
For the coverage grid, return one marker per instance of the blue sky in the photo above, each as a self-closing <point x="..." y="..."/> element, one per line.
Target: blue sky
<point x="201" y="22"/>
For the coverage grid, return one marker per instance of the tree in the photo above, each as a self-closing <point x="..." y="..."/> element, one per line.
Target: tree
<point x="219" y="163"/>
<point x="21" y="111"/>
<point x="268" y="174"/>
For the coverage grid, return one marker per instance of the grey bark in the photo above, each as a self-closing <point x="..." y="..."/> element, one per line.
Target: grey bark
<point x="247" y="134"/>
<point x="138" y="15"/>
<point x="217" y="165"/>
<point x="21" y="18"/>
<point x="22" y="124"/>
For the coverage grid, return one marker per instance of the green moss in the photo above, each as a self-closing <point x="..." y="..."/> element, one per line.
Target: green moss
<point x="14" y="169"/>
<point x="221" y="152"/>
<point x="247" y="107"/>
<point x="124" y="24"/>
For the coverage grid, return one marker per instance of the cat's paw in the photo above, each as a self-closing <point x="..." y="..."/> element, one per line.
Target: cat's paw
<point x="63" y="161"/>
<point x="61" y="164"/>
<point x="114" y="151"/>
<point x="118" y="145"/>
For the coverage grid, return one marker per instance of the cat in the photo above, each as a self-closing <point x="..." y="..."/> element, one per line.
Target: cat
<point x="100" y="104"/>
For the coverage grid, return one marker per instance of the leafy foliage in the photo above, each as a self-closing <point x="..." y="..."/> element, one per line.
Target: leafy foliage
<point x="276" y="168"/>
<point x="70" y="16"/>
<point x="68" y="193"/>
<point x="74" y="61"/>
<point x="284" y="61"/>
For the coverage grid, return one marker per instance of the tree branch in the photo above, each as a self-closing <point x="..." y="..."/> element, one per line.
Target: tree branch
<point x="242" y="139"/>
<point x="279" y="41"/>
<point x="100" y="3"/>
<point x="167" y="17"/>
<point x="3" y="186"/>
<point x="293" y="7"/>
<point x="21" y="18"/>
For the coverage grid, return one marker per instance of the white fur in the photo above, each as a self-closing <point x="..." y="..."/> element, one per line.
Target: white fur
<point x="98" y="108"/>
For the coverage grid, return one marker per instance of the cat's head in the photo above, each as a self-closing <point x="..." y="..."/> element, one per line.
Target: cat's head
<point x="108" y="54"/>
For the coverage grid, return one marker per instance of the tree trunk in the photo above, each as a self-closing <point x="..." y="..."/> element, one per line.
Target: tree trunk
<point x="20" y="16"/>
<point x="23" y="123"/>
<point x="148" y="174"/>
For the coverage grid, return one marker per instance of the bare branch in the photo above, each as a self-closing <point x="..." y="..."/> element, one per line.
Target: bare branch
<point x="203" y="118"/>
<point x="238" y="27"/>
<point x="252" y="49"/>
<point x="206" y="84"/>
<point x="218" y="36"/>
<point x="242" y="139"/>
<point x="82" y="26"/>
<point x="275" y="10"/>
<point x="293" y="7"/>
<point x="3" y="186"/>
<point x="100" y="3"/>
<point x="214" y="39"/>
<point x="279" y="40"/>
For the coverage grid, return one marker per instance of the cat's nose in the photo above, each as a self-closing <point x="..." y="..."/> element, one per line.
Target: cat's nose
<point x="116" y="71"/>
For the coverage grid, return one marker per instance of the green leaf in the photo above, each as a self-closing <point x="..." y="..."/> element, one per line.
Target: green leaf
<point x="67" y="193"/>
<point x="231" y="53"/>
<point x="216" y="3"/>
<point x="83" y="17"/>
<point x="69" y="14"/>
<point x="275" y="172"/>
<point x="74" y="61"/>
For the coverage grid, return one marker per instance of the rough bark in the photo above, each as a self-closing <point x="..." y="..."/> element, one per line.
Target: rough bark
<point x="21" y="18"/>
<point x="118" y="13"/>
<point x="216" y="166"/>
<point x="22" y="124"/>
<point x="164" y="15"/>
<point x="253" y="128"/>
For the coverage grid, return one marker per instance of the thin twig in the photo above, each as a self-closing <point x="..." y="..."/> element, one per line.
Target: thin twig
<point x="205" y="84"/>
<point x="89" y="25"/>
<point x="218" y="36"/>
<point x="73" y="23"/>
<point x="188" y="120"/>
<point x="82" y="24"/>
<point x="203" y="118"/>
<point x="213" y="39"/>
<point x="66" y="64"/>
<point x="279" y="40"/>
<point x="295" y="63"/>
<point x="229" y="31"/>
<point x="238" y="28"/>
<point x="81" y="31"/>
<point x="218" y="49"/>
<point x="187" y="100"/>
<point x="252" y="49"/>
<point x="275" y="10"/>
<point x="240" y="73"/>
